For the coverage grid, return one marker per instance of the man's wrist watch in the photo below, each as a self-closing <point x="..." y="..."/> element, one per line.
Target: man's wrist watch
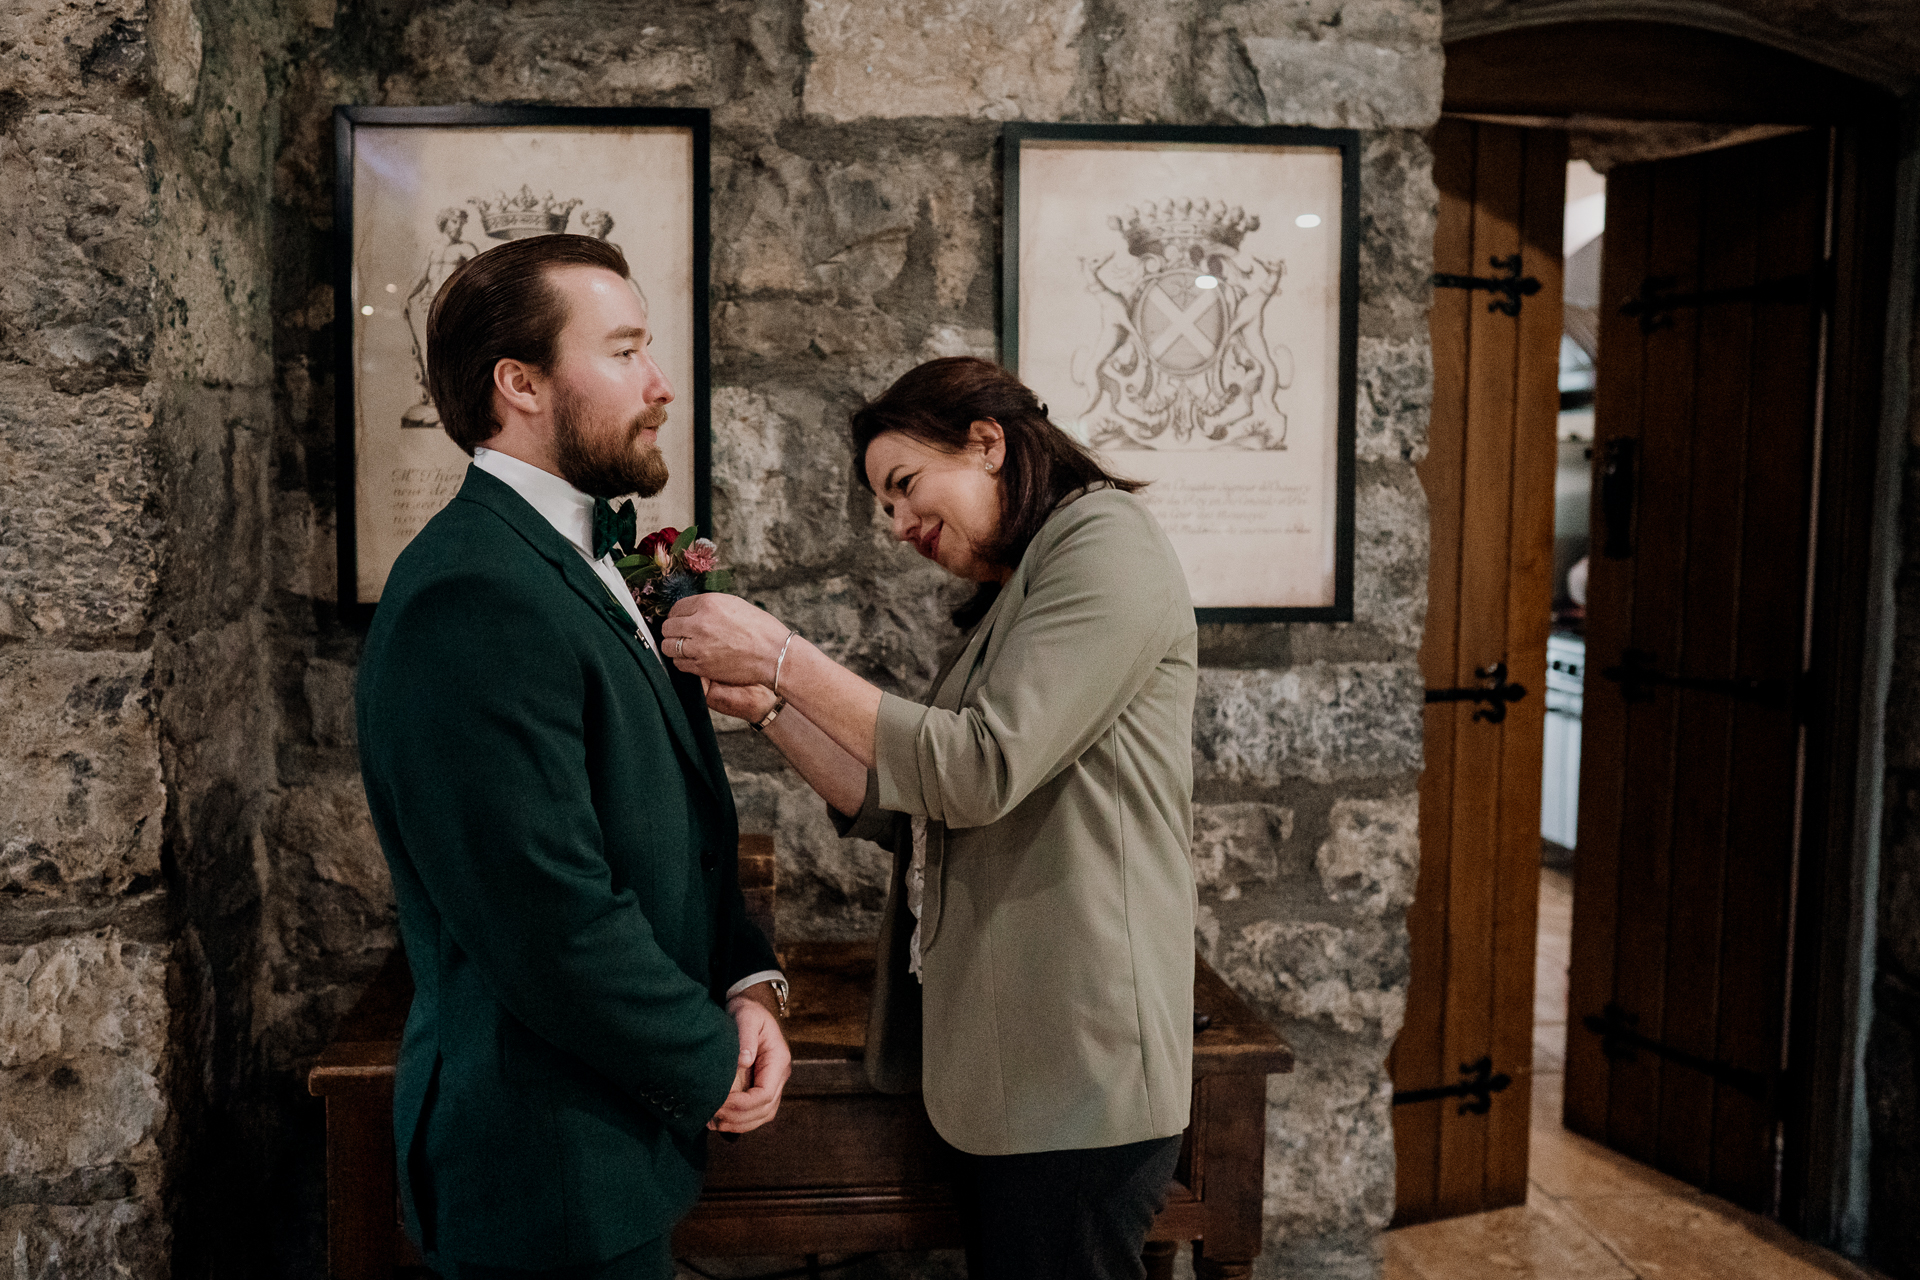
<point x="779" y="986"/>
<point x="761" y="725"/>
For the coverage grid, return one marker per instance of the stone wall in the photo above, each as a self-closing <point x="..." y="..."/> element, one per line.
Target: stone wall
<point x="86" y="1061"/>
<point x="190" y="894"/>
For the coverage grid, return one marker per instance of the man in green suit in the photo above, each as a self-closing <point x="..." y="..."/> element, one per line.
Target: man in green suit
<point x="590" y="994"/>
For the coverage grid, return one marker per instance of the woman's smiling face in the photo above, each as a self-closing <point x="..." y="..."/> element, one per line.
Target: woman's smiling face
<point x="947" y="505"/>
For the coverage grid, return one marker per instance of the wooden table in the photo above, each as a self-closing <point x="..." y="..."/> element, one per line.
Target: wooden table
<point x="842" y="1169"/>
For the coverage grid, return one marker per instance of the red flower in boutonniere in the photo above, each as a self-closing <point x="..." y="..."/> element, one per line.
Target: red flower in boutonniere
<point x="670" y="565"/>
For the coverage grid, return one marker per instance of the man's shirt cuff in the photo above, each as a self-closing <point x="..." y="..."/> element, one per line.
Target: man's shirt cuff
<point x="752" y="979"/>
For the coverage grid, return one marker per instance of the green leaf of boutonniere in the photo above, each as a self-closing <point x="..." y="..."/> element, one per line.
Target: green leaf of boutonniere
<point x="685" y="540"/>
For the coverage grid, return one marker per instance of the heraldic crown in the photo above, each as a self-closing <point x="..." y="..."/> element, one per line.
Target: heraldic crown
<point x="517" y="217"/>
<point x="1184" y="228"/>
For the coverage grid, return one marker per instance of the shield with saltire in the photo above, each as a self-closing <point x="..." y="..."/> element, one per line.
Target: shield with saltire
<point x="1182" y="324"/>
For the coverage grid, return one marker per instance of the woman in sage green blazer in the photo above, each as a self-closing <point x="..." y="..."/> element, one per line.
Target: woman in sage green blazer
<point x="1038" y="806"/>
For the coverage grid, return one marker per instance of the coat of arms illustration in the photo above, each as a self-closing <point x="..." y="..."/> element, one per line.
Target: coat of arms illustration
<point x="1183" y="361"/>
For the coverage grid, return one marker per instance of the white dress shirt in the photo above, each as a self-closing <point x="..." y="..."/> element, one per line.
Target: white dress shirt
<point x="570" y="512"/>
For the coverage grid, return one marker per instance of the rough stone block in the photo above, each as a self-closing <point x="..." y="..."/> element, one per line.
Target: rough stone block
<point x="1399" y="209"/>
<point x="1238" y="844"/>
<point x="738" y="58"/>
<point x="789" y="327"/>
<point x="982" y="58"/>
<point x="828" y="887"/>
<point x="332" y="894"/>
<point x="1321" y="722"/>
<point x="778" y="466"/>
<point x="79" y="545"/>
<point x="1391" y="539"/>
<point x="114" y="1238"/>
<point x="83" y="800"/>
<point x="212" y="284"/>
<point x="1372" y="859"/>
<point x="1396" y="395"/>
<point x="75" y="235"/>
<point x="329" y="690"/>
<point x="83" y="1047"/>
<point x="1352" y="976"/>
<point x="71" y="49"/>
<point x="1329" y="1177"/>
<point x="1344" y="83"/>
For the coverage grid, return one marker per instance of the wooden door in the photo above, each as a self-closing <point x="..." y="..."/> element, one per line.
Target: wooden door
<point x="1707" y="435"/>
<point x="1488" y="474"/>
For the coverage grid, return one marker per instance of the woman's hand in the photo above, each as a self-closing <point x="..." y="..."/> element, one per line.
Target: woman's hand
<point x="724" y="639"/>
<point x="749" y="702"/>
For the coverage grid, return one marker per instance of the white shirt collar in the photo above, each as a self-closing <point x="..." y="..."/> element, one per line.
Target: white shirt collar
<point x="565" y="507"/>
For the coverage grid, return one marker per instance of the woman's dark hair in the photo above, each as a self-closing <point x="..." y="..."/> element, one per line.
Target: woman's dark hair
<point x="938" y="403"/>
<point x="500" y="305"/>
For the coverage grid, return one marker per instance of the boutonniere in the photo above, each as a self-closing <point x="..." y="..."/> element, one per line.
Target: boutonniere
<point x="668" y="566"/>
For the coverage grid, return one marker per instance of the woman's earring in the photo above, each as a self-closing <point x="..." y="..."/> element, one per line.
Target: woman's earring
<point x="989" y="468"/>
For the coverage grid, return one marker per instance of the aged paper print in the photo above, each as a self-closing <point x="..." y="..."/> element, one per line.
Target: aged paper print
<point x="1180" y="313"/>
<point x="427" y="199"/>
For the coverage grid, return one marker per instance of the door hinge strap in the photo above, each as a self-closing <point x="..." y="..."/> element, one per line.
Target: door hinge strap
<point x="1654" y="305"/>
<point x="1637" y="679"/>
<point x="1496" y="695"/>
<point x="1618" y="1040"/>
<point x="1512" y="286"/>
<point x="1480" y="1087"/>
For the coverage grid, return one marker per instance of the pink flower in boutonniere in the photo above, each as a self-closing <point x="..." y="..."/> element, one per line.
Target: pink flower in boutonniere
<point x="703" y="556"/>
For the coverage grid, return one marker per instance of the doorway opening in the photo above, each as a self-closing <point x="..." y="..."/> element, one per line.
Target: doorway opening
<point x="1651" y="474"/>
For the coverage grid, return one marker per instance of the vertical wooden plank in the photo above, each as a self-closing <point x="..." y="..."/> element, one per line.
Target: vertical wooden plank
<point x="1710" y="587"/>
<point x="1529" y="618"/>
<point x="1659" y="565"/>
<point x="1486" y="536"/>
<point x="1416" y="1062"/>
<point x="1787" y="191"/>
<point x="1610" y="601"/>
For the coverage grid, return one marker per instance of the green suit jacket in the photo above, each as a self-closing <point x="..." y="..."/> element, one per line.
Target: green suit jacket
<point x="1054" y="767"/>
<point x="553" y="806"/>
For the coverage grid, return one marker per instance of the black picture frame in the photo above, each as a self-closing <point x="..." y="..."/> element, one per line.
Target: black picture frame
<point x="694" y="405"/>
<point x="1346" y="142"/>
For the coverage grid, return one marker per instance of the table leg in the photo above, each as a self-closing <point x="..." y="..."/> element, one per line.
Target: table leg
<point x="1158" y="1257"/>
<point x="360" y="1187"/>
<point x="1205" y="1268"/>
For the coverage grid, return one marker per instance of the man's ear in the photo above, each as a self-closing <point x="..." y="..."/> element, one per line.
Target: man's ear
<point x="990" y="438"/>
<point x="521" y="387"/>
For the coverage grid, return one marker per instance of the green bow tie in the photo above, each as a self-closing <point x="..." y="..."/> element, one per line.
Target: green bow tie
<point x="612" y="528"/>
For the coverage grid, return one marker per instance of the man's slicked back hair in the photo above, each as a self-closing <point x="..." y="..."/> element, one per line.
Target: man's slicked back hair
<point x="501" y="305"/>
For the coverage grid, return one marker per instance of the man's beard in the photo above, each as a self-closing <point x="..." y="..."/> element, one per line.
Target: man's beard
<point x="604" y="462"/>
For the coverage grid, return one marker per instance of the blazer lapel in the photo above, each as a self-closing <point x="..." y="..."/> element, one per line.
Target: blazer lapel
<point x="498" y="496"/>
<point x="950" y="686"/>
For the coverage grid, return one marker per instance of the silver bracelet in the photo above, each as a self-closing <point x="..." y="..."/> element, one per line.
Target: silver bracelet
<point x="781" y="661"/>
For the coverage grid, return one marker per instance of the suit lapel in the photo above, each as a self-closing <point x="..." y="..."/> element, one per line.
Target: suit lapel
<point x="498" y="497"/>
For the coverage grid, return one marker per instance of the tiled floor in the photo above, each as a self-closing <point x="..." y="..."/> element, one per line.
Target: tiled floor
<point x="1591" y="1214"/>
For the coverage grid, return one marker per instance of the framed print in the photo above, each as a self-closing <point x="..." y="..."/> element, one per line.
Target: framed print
<point x="419" y="190"/>
<point x="1185" y="302"/>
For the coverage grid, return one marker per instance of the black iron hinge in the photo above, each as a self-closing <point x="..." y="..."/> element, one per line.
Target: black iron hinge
<point x="1496" y="694"/>
<point x="1479" y="1088"/>
<point x="1638" y="678"/>
<point x="1619" y="1040"/>
<point x="1511" y="286"/>
<point x="1656" y="302"/>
